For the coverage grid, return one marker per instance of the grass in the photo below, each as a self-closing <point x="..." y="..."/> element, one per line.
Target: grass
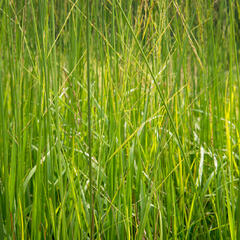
<point x="119" y="119"/>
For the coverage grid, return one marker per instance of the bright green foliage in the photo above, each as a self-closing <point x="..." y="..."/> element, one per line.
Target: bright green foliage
<point x="119" y="119"/>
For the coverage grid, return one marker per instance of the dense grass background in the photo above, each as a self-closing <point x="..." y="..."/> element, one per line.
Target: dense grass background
<point x="163" y="157"/>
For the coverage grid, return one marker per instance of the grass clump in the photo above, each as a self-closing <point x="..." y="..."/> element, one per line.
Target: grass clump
<point x="119" y="119"/>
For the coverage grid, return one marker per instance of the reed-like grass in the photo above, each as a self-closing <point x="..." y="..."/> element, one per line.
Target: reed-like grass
<point x="119" y="119"/>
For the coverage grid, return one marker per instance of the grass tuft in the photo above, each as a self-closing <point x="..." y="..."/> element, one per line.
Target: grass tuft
<point x="119" y="119"/>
